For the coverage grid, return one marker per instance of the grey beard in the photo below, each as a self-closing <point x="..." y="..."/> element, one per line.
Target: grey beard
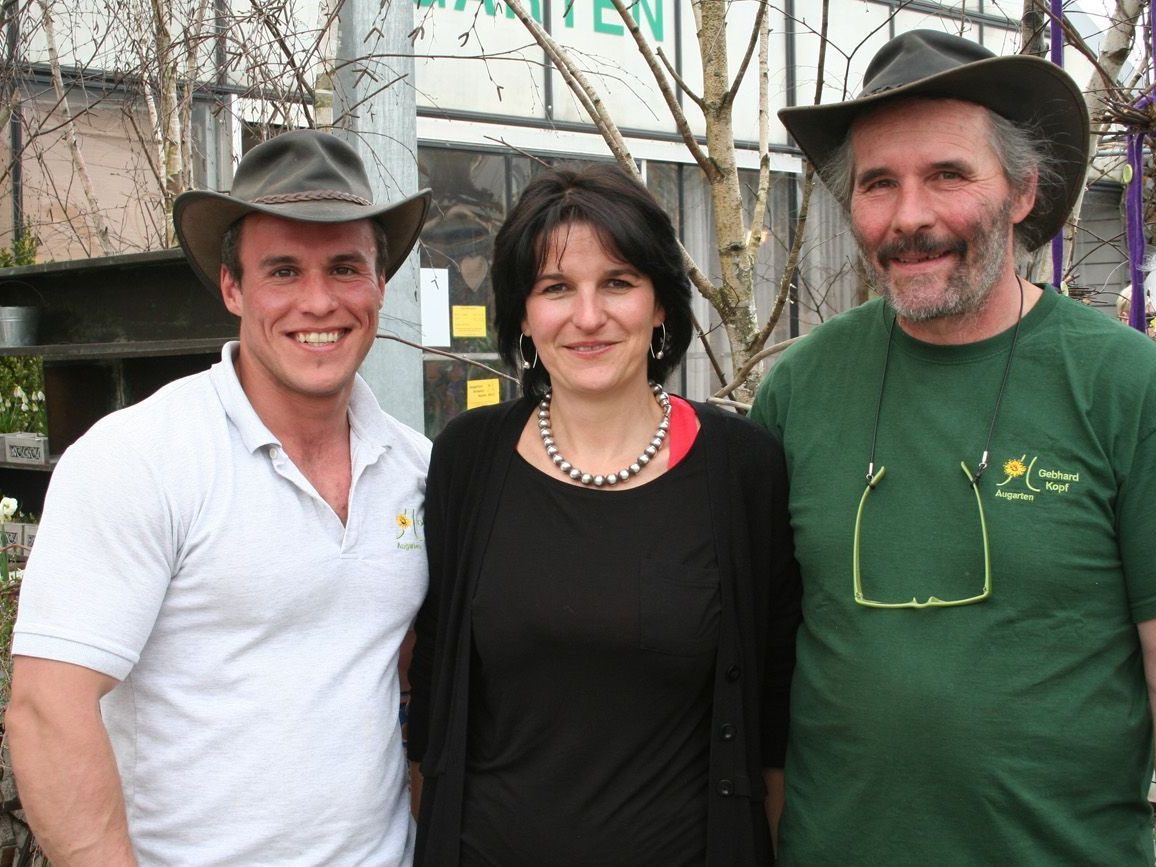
<point x="965" y="293"/>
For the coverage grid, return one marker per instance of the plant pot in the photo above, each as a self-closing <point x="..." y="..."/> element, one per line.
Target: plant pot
<point x="12" y="533"/>
<point x="18" y="325"/>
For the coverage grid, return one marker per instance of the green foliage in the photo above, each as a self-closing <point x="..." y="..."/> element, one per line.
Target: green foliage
<point x="21" y="377"/>
<point x="21" y="409"/>
<point x="9" y="593"/>
<point x="22" y="251"/>
<point x="22" y="394"/>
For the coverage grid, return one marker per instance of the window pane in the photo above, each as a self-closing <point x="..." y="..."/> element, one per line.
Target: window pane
<point x="469" y="204"/>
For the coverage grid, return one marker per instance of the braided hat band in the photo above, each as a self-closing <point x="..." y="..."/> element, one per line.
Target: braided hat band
<point x="314" y="196"/>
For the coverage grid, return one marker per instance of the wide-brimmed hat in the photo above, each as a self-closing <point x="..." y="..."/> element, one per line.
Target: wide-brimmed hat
<point x="931" y="64"/>
<point x="304" y="175"/>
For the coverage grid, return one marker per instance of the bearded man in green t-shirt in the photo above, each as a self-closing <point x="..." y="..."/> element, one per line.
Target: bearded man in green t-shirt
<point x="973" y="493"/>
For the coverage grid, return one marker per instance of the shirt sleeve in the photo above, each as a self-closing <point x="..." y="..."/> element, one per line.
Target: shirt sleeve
<point x="765" y="410"/>
<point x="103" y="558"/>
<point x="1136" y="528"/>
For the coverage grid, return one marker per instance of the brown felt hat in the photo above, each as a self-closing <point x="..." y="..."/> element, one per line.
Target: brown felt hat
<point x="936" y="65"/>
<point x="304" y="175"/>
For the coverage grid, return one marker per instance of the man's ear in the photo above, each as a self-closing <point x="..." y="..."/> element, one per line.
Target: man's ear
<point x="230" y="291"/>
<point x="1025" y="200"/>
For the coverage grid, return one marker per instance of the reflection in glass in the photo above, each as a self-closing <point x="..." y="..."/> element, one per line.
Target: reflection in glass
<point x="469" y="192"/>
<point x="469" y="204"/>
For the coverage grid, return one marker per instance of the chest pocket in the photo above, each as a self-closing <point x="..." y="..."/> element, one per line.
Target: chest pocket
<point x="679" y="608"/>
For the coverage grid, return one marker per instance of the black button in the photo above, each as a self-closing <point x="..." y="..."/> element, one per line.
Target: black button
<point x="725" y="788"/>
<point x="727" y="732"/>
<point x="734" y="673"/>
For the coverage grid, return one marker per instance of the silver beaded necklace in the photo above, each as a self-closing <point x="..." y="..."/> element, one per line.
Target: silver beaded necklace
<point x="622" y="475"/>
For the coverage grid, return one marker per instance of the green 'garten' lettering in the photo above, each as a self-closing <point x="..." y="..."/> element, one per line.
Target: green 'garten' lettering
<point x="648" y="14"/>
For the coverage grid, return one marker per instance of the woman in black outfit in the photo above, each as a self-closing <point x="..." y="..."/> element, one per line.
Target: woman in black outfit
<point x="603" y="661"/>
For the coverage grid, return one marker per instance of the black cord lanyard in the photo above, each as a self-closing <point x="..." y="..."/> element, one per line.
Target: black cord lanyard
<point x="982" y="467"/>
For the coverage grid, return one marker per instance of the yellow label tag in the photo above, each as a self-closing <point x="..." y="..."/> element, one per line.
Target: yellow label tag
<point x="482" y="392"/>
<point x="469" y="321"/>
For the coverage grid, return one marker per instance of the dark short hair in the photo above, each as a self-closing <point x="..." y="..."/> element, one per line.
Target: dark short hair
<point x="629" y="222"/>
<point x="231" y="248"/>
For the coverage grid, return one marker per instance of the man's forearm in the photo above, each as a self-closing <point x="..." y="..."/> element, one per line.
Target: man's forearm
<point x="776" y="795"/>
<point x="415" y="782"/>
<point x="1147" y="631"/>
<point x="68" y="783"/>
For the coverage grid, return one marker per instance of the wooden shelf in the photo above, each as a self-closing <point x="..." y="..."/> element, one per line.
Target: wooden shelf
<point x="36" y="468"/>
<point x="119" y="349"/>
<point x="112" y="331"/>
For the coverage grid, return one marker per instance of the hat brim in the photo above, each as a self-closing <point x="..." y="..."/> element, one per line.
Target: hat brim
<point x="1021" y="88"/>
<point x="201" y="217"/>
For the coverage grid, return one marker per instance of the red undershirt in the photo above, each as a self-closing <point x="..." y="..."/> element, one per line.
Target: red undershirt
<point x="683" y="430"/>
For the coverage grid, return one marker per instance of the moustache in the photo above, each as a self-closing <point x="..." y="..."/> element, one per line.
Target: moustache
<point x="920" y="244"/>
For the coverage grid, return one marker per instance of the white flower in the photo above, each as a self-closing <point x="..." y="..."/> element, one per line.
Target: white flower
<point x="18" y="392"/>
<point x="8" y="507"/>
<point x="38" y="396"/>
<point x="24" y="407"/>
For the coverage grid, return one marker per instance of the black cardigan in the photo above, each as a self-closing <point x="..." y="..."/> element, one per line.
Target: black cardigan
<point x="760" y="595"/>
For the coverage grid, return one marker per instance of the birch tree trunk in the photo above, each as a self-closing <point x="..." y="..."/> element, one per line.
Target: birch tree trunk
<point x="734" y="299"/>
<point x="168" y="129"/>
<point x="93" y="214"/>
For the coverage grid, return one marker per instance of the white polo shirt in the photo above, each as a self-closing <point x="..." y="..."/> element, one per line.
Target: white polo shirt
<point x="255" y="637"/>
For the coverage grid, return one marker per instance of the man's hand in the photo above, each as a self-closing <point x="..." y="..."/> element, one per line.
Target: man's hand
<point x="64" y="765"/>
<point x="1147" y="631"/>
<point x="415" y="781"/>
<point x="776" y="796"/>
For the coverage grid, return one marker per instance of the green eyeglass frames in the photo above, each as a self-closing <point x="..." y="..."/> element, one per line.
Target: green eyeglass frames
<point x="874" y="478"/>
<point x="932" y="601"/>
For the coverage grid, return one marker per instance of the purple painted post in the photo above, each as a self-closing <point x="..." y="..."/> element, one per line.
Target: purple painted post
<point x="1134" y="211"/>
<point x="1057" y="52"/>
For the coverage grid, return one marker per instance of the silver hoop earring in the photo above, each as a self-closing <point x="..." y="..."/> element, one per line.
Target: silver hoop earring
<point x="525" y="364"/>
<point x="661" y="353"/>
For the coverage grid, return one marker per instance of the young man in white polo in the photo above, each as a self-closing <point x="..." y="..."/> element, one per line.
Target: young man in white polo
<point x="207" y="645"/>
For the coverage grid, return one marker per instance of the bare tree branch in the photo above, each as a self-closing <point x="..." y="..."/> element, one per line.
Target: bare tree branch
<point x="289" y="58"/>
<point x="676" y="112"/>
<point x="758" y="215"/>
<point x="682" y="85"/>
<point x="756" y="39"/>
<point x="541" y="162"/>
<point x="707" y="348"/>
<point x="446" y="354"/>
<point x="78" y="160"/>
<point x="581" y="88"/>
<point x="743" y="372"/>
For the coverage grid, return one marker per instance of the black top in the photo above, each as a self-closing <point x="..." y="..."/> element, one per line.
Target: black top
<point x="595" y="629"/>
<point x="746" y="514"/>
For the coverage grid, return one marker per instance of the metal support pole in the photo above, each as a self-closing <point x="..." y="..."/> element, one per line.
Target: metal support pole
<point x="376" y="110"/>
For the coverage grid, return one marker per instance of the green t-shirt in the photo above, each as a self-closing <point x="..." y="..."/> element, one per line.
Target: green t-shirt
<point x="1017" y="730"/>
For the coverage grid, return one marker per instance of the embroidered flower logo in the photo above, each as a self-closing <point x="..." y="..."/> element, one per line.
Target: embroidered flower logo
<point x="1019" y="468"/>
<point x="409" y="535"/>
<point x="1014" y="468"/>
